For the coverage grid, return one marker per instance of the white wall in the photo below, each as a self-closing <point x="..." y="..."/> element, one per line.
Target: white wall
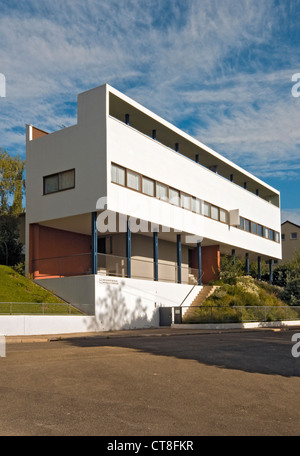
<point x="29" y="325"/>
<point x="119" y="303"/>
<point x="82" y="147"/>
<point x="132" y="303"/>
<point x="150" y="158"/>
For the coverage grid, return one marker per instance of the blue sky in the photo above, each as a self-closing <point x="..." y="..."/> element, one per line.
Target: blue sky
<point x="219" y="69"/>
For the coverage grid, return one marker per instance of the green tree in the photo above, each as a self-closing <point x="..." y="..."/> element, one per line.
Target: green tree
<point x="12" y="184"/>
<point x="10" y="246"/>
<point x="11" y="195"/>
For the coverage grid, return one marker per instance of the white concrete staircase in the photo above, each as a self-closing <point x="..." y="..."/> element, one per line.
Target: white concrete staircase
<point x="206" y="291"/>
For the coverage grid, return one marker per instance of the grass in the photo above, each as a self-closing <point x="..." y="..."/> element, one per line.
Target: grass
<point x="256" y="301"/>
<point x="17" y="291"/>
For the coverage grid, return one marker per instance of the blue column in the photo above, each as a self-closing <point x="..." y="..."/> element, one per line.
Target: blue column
<point x="199" y="258"/>
<point x="271" y="271"/>
<point x="179" y="258"/>
<point x="94" y="242"/>
<point x="259" y="268"/>
<point x="247" y="264"/>
<point x="233" y="257"/>
<point x="155" y="254"/>
<point x="128" y="249"/>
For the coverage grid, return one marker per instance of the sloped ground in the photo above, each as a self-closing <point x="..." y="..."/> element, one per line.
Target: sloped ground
<point x="15" y="288"/>
<point x="246" y="299"/>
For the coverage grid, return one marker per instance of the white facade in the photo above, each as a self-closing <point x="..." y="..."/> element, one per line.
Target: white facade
<point x="114" y="130"/>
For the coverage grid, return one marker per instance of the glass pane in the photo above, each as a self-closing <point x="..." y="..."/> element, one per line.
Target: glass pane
<point x="67" y="180"/>
<point x="133" y="180"/>
<point x="214" y="212"/>
<point x="259" y="230"/>
<point x="206" y="209"/>
<point x="162" y="191"/>
<point x="276" y="236"/>
<point x="148" y="186"/>
<point x="174" y="196"/>
<point x="241" y="225"/>
<point x="266" y="233"/>
<point x="117" y="175"/>
<point x="51" y="184"/>
<point x="272" y="235"/>
<point x="253" y="228"/>
<point x="247" y="225"/>
<point x="196" y="206"/>
<point x="185" y="201"/>
<point x="223" y="216"/>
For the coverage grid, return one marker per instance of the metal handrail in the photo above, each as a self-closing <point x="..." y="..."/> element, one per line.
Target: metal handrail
<point x="42" y="304"/>
<point x="265" y="309"/>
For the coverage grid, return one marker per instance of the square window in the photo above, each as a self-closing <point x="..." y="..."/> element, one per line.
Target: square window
<point x="51" y="184"/>
<point x="67" y="180"/>
<point x="259" y="230"/>
<point x="247" y="225"/>
<point x="117" y="174"/>
<point x="161" y="191"/>
<point x="294" y="235"/>
<point x="133" y="180"/>
<point x="206" y="209"/>
<point x="266" y="233"/>
<point x="196" y="205"/>
<point x="186" y="201"/>
<point x="214" y="212"/>
<point x="253" y="228"/>
<point x="174" y="196"/>
<point x="148" y="186"/>
<point x="223" y="216"/>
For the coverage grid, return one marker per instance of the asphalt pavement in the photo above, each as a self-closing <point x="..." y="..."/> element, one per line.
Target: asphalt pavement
<point x="162" y="382"/>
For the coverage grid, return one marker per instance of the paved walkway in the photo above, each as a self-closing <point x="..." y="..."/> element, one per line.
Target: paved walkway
<point x="162" y="331"/>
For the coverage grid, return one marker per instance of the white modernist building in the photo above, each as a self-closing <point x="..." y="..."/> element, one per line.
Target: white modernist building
<point x="126" y="213"/>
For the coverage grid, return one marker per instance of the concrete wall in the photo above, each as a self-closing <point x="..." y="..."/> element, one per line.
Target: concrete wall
<point x="120" y="303"/>
<point x="28" y="325"/>
<point x="82" y="147"/>
<point x="79" y="290"/>
<point x="133" y="303"/>
<point x="147" y="156"/>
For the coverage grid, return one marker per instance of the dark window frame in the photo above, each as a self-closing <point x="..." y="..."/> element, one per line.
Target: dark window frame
<point x="58" y="174"/>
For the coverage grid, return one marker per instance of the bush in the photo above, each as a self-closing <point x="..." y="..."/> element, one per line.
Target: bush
<point x="291" y="292"/>
<point x="20" y="268"/>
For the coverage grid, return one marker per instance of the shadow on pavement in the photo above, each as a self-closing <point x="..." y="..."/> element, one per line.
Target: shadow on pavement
<point x="264" y="352"/>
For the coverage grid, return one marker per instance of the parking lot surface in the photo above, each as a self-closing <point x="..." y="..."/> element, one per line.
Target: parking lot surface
<point x="152" y="383"/>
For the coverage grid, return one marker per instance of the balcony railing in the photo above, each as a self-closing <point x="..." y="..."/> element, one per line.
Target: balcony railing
<point x="112" y="266"/>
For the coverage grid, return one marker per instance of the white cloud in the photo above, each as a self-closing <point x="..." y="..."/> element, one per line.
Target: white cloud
<point x="192" y="63"/>
<point x="292" y="215"/>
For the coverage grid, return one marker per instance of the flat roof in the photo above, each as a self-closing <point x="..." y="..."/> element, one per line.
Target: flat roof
<point x="145" y="121"/>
